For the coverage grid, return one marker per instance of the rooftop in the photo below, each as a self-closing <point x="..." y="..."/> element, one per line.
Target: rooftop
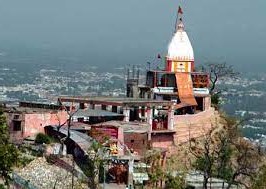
<point x="95" y="113"/>
<point x="130" y="102"/>
<point x="128" y="127"/>
<point x="28" y="110"/>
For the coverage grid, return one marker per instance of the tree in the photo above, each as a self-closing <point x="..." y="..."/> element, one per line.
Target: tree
<point x="218" y="72"/>
<point x="223" y="153"/>
<point x="160" y="173"/>
<point x="175" y="182"/>
<point x="71" y="112"/>
<point x="244" y="164"/>
<point x="205" y="157"/>
<point x="8" y="152"/>
<point x="92" y="163"/>
<point x="156" y="171"/>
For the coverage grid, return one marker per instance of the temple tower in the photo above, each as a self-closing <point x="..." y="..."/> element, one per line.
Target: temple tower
<point x="180" y="56"/>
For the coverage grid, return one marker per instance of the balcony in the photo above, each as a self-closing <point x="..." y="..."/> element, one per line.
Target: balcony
<point x="166" y="80"/>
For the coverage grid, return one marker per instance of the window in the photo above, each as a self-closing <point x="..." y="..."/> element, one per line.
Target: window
<point x="80" y="119"/>
<point x="16" y="116"/>
<point x="16" y="125"/>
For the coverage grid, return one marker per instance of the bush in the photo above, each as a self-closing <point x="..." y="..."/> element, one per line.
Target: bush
<point x="42" y="138"/>
<point x="177" y="182"/>
<point x="215" y="99"/>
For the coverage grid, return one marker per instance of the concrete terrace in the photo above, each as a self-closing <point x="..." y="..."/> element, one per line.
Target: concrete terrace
<point x="130" y="102"/>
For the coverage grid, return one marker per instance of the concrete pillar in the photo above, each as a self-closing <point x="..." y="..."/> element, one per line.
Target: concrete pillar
<point x="206" y="103"/>
<point x="140" y="112"/>
<point x="104" y="107"/>
<point x="149" y="115"/>
<point x="92" y="106"/>
<point x="170" y="122"/>
<point x="126" y="113"/>
<point x="149" y="121"/>
<point x="109" y="108"/>
<point x="114" y="109"/>
<point x="130" y="173"/>
<point x="119" y="109"/>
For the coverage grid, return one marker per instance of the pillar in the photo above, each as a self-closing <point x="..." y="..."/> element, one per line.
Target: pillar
<point x="149" y="120"/>
<point x="92" y="106"/>
<point x="130" y="172"/>
<point x="126" y="113"/>
<point x="140" y="112"/>
<point x="149" y="115"/>
<point x="170" y="122"/>
<point x="206" y="103"/>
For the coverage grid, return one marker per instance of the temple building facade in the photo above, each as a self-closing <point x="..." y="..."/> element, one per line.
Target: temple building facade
<point x="174" y="101"/>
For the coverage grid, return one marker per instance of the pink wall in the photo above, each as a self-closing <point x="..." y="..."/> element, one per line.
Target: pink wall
<point x="193" y="126"/>
<point x="162" y="141"/>
<point x="34" y="123"/>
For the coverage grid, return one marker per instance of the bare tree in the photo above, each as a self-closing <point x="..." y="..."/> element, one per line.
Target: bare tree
<point x="218" y="72"/>
<point x="67" y="122"/>
<point x="225" y="154"/>
<point x="70" y="112"/>
<point x="204" y="157"/>
<point x="245" y="164"/>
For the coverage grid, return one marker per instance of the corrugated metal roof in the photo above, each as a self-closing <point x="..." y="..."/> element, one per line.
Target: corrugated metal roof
<point x="83" y="140"/>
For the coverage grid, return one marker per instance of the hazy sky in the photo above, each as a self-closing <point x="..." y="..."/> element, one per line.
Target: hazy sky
<point x="120" y="32"/>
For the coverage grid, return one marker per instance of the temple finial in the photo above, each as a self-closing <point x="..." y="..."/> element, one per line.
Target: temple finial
<point x="180" y="11"/>
<point x="179" y="23"/>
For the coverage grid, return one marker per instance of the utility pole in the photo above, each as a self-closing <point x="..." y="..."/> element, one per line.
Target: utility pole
<point x="73" y="169"/>
<point x="130" y="172"/>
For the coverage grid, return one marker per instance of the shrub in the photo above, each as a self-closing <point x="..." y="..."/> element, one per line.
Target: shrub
<point x="42" y="138"/>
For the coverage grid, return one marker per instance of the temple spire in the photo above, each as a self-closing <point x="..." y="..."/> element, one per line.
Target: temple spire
<point x="179" y="26"/>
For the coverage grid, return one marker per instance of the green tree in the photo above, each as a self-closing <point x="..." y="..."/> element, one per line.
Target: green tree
<point x="42" y="138"/>
<point x="92" y="165"/>
<point x="177" y="182"/>
<point x="8" y="152"/>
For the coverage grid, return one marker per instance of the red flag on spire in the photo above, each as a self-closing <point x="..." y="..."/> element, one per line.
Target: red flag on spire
<point x="180" y="11"/>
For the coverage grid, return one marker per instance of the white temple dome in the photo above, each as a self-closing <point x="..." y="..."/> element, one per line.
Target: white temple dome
<point x="180" y="47"/>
